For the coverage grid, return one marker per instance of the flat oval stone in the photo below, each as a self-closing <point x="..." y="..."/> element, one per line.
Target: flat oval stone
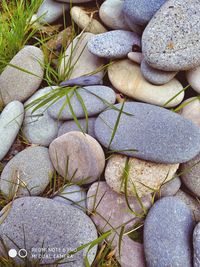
<point x="78" y="61"/>
<point x="11" y="120"/>
<point x="96" y="98"/>
<point x="49" y="225"/>
<point x="170" y="188"/>
<point x="77" y="157"/>
<point x="113" y="44"/>
<point x="157" y="134"/>
<point x="154" y="76"/>
<point x="167" y="233"/>
<point x="126" y="77"/>
<point x="16" y="84"/>
<point x="171" y="39"/>
<point x="141" y="12"/>
<point x="38" y="127"/>
<point x="196" y="245"/>
<point x="191" y="110"/>
<point x="70" y="126"/>
<point x="31" y="169"/>
<point x="85" y="20"/>
<point x="193" y="78"/>
<point x="142" y="174"/>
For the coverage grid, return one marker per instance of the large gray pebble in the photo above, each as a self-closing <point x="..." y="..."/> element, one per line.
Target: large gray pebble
<point x="113" y="44"/>
<point x="10" y="122"/>
<point x="167" y="234"/>
<point x="171" y="39"/>
<point x="158" y="135"/>
<point x="38" y="127"/>
<point x="28" y="173"/>
<point x="196" y="245"/>
<point x="16" y="84"/>
<point x="95" y="98"/>
<point x="43" y="223"/>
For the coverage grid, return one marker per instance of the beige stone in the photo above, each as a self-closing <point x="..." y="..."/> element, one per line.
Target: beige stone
<point x="126" y="77"/>
<point x="146" y="176"/>
<point x="136" y="57"/>
<point x="193" y="78"/>
<point x="191" y="110"/>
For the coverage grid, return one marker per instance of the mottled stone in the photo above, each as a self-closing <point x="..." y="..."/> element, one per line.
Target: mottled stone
<point x="16" y="84"/>
<point x="70" y="126"/>
<point x="113" y="44"/>
<point x="171" y="39"/>
<point x="50" y="225"/>
<point x="170" y="188"/>
<point x="191" y="110"/>
<point x="11" y="120"/>
<point x="38" y="127"/>
<point x="126" y="77"/>
<point x="157" y="134"/>
<point x="196" y="246"/>
<point x="142" y="175"/>
<point x="135" y="57"/>
<point x="167" y="234"/>
<point x="193" y="78"/>
<point x="27" y="173"/>
<point x="95" y="98"/>
<point x="77" y="157"/>
<point x="155" y="76"/>
<point x="83" y="81"/>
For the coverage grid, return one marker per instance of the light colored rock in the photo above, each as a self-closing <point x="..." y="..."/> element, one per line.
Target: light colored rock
<point x="11" y="120"/>
<point x="82" y="61"/>
<point x="126" y="77"/>
<point x="77" y="157"/>
<point x="142" y="175"/>
<point x="85" y="20"/>
<point x="16" y="84"/>
<point x="135" y="57"/>
<point x="196" y="246"/>
<point x="191" y="110"/>
<point x="193" y="78"/>
<point x="38" y="127"/>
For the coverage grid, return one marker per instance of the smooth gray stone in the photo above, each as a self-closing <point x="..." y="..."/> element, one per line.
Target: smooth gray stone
<point x="196" y="246"/>
<point x="11" y="120"/>
<point x="171" y="39"/>
<point x="155" y="76"/>
<point x="70" y="126"/>
<point x="74" y="1"/>
<point x="94" y="98"/>
<point x="141" y="12"/>
<point x="168" y="231"/>
<point x="44" y="223"/>
<point x="38" y="127"/>
<point x="170" y="188"/>
<point x="113" y="44"/>
<point x="31" y="169"/>
<point x="83" y="81"/>
<point x="158" y="135"/>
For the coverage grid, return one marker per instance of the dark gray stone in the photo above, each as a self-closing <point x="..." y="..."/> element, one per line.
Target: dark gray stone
<point x="113" y="44"/>
<point x="158" y="135"/>
<point x="167" y="234"/>
<point x="196" y="246"/>
<point x="96" y="98"/>
<point x="83" y="81"/>
<point x="48" y="224"/>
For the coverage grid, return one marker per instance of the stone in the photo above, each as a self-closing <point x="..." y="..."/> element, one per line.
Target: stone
<point x="191" y="110"/>
<point x="142" y="175"/>
<point x="75" y="1"/>
<point x="70" y="126"/>
<point x="148" y="132"/>
<point x="190" y="174"/>
<point x="111" y="14"/>
<point x="191" y="202"/>
<point x="78" y="61"/>
<point x="168" y="229"/>
<point x="11" y="120"/>
<point x="77" y="157"/>
<point x="95" y="98"/>
<point x="50" y="10"/>
<point x="83" y="81"/>
<point x="72" y="195"/>
<point x="154" y="76"/>
<point x="18" y="85"/>
<point x="170" y="188"/>
<point x="49" y="225"/>
<point x="193" y="79"/>
<point x="171" y="41"/>
<point x="126" y="77"/>
<point x="141" y="12"/>
<point x="113" y="44"/>
<point x="136" y="57"/>
<point x="38" y="127"/>
<point x="28" y="173"/>
<point x="86" y="20"/>
<point x="196" y="246"/>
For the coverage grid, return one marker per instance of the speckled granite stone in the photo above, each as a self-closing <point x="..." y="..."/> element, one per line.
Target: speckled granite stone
<point x="196" y="246"/>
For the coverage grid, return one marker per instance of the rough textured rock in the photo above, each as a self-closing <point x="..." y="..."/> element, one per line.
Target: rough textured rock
<point x="191" y="110"/>
<point x="16" y="84"/>
<point x="170" y="138"/>
<point x="77" y="157"/>
<point x="196" y="246"/>
<point x="167" y="234"/>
